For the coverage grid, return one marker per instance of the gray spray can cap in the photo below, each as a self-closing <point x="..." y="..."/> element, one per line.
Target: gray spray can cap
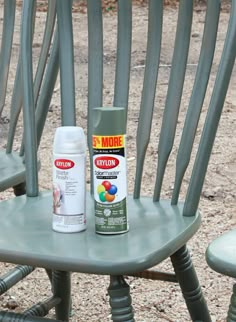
<point x="109" y="120"/>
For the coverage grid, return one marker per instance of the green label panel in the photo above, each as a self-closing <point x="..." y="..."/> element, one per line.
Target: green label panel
<point x="111" y="218"/>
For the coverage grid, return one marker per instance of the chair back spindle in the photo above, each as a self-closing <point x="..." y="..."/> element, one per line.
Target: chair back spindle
<point x="123" y="54"/>
<point x="6" y="47"/>
<point x="155" y="16"/>
<point x="30" y="137"/>
<point x="95" y="62"/>
<point x="174" y="93"/>
<point x="66" y="56"/>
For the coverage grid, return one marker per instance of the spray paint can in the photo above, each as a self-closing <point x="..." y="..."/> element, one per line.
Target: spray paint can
<point x="69" y="185"/>
<point x="109" y="170"/>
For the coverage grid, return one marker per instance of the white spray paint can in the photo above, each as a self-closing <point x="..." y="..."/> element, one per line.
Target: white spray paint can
<point x="69" y="184"/>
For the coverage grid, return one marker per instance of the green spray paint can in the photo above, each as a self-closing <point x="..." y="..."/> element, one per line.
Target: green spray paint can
<point x="109" y="170"/>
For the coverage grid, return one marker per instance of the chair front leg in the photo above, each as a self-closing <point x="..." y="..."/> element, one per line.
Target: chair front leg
<point x="231" y="317"/>
<point x="61" y="283"/>
<point x="120" y="300"/>
<point x="190" y="286"/>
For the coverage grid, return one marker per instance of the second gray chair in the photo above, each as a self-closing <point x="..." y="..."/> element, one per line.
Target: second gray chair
<point x="221" y="257"/>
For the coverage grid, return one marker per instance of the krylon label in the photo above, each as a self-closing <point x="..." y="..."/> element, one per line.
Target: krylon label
<point x="64" y="164"/>
<point x="105" y="162"/>
<point x="110" y="185"/>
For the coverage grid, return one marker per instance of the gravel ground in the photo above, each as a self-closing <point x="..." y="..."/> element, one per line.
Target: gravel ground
<point x="152" y="301"/>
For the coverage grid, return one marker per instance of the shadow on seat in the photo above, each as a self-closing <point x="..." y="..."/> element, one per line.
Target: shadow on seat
<point x="159" y="227"/>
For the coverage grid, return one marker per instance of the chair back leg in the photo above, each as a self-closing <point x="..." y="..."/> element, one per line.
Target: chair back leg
<point x="19" y="189"/>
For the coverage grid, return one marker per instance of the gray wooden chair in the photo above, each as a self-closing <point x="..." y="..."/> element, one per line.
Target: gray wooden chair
<point x="12" y="165"/>
<point x="159" y="228"/>
<point x="221" y="257"/>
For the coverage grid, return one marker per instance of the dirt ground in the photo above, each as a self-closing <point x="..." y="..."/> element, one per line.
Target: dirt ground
<point x="152" y="301"/>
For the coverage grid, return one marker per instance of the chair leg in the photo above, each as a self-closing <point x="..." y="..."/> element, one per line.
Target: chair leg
<point x="19" y="189"/>
<point x="190" y="286"/>
<point x="49" y="273"/>
<point x="61" y="282"/>
<point x="120" y="300"/>
<point x="231" y="317"/>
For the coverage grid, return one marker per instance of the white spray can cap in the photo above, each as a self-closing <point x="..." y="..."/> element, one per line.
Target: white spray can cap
<point x="69" y="139"/>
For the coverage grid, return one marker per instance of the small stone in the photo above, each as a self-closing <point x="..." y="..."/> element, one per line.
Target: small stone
<point x="11" y="304"/>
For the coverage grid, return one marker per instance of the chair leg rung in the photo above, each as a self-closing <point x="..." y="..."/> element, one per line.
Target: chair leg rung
<point x="42" y="308"/>
<point x="14" y="276"/>
<point x="156" y="275"/>
<point x="10" y="316"/>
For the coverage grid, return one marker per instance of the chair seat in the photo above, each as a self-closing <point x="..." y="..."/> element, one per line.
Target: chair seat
<point x="221" y="254"/>
<point x="157" y="230"/>
<point x="12" y="170"/>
